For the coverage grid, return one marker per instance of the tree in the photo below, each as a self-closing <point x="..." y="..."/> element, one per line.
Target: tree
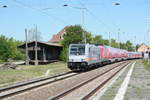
<point x="129" y="46"/>
<point x="114" y="43"/>
<point x="73" y="35"/>
<point x="8" y="49"/>
<point x="106" y="42"/>
<point x="137" y="46"/>
<point x="98" y="40"/>
<point x="123" y="46"/>
<point x="89" y="37"/>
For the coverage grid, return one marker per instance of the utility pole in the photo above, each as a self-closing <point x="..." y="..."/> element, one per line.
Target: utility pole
<point x="83" y="33"/>
<point x="27" y="56"/>
<point x="36" y="56"/>
<point x="119" y="38"/>
<point x="109" y="39"/>
<point x="135" y="42"/>
<point x="148" y="47"/>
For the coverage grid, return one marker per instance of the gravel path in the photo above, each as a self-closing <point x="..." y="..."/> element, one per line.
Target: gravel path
<point x="44" y="92"/>
<point x="139" y="87"/>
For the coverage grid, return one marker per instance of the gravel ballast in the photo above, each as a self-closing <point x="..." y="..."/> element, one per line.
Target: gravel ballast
<point x="45" y="92"/>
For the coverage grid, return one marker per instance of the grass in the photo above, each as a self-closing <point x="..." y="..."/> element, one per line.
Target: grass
<point x="146" y="65"/>
<point x="148" y="84"/>
<point x="126" y="98"/>
<point x="24" y="72"/>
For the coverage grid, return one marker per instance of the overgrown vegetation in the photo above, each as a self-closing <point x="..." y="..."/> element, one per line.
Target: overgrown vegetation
<point x="146" y="64"/>
<point x="24" y="72"/>
<point x="74" y="34"/>
<point x="9" y="50"/>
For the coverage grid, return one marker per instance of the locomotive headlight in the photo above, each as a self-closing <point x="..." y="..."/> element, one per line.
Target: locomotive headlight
<point x="71" y="60"/>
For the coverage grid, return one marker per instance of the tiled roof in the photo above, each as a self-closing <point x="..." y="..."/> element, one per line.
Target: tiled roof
<point x="44" y="43"/>
<point x="143" y="48"/>
<point x="57" y="38"/>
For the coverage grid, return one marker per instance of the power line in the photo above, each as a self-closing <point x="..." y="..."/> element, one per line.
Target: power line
<point x="41" y="11"/>
<point x="108" y="11"/>
<point x="95" y="17"/>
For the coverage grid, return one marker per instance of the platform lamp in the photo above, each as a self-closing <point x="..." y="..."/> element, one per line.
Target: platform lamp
<point x="117" y="4"/>
<point x="80" y="8"/>
<point x="4" y="6"/>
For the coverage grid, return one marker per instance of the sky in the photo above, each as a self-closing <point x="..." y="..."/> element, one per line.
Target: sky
<point x="100" y="18"/>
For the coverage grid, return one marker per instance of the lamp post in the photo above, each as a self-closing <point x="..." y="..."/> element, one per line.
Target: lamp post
<point x="4" y="6"/>
<point x="117" y="4"/>
<point x="83" y="9"/>
<point x="109" y="38"/>
<point x="119" y="38"/>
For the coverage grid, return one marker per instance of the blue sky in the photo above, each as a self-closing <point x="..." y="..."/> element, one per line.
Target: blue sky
<point x="101" y="17"/>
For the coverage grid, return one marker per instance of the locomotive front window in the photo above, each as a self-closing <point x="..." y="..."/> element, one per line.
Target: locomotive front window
<point x="77" y="50"/>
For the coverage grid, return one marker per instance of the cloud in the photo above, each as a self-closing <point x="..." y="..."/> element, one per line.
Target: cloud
<point x="147" y="18"/>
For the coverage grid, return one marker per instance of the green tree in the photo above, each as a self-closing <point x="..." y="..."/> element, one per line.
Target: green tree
<point x="129" y="46"/>
<point x="106" y="42"/>
<point x="98" y="40"/>
<point x="89" y="37"/>
<point x="8" y="49"/>
<point x="123" y="46"/>
<point x="137" y="46"/>
<point x="114" y="43"/>
<point x="74" y="34"/>
<point x="64" y="54"/>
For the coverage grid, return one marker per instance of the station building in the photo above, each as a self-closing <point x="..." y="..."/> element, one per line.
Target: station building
<point x="145" y="50"/>
<point x="46" y="51"/>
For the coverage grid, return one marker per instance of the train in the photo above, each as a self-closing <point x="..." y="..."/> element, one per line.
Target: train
<point x="83" y="57"/>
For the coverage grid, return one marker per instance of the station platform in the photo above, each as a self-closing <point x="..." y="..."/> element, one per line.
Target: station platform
<point x="132" y="84"/>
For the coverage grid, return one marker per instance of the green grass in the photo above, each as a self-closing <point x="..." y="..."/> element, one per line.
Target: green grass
<point x="146" y="65"/>
<point x="24" y="72"/>
<point x="126" y="98"/>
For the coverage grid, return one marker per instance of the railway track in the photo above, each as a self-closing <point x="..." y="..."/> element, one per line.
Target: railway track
<point x="64" y="95"/>
<point x="28" y="85"/>
<point x="20" y="88"/>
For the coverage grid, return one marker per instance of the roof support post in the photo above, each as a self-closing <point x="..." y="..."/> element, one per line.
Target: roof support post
<point x="27" y="56"/>
<point x="36" y="56"/>
<point x="44" y="55"/>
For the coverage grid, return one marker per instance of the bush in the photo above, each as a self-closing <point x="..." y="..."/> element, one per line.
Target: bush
<point x="64" y="54"/>
<point x="8" y="49"/>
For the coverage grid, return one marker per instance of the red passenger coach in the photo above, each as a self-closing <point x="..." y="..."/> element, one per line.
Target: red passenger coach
<point x="104" y="53"/>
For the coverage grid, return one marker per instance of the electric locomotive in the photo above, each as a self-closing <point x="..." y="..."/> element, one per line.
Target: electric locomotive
<point x="83" y="56"/>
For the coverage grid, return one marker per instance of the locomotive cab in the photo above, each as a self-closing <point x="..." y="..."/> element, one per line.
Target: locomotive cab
<point x="77" y="56"/>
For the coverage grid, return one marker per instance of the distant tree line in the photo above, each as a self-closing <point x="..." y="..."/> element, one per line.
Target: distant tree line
<point x="9" y="50"/>
<point x="74" y="35"/>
